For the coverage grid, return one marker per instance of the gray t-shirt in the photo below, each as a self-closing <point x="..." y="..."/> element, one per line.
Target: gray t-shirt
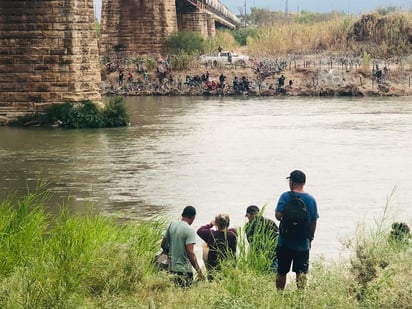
<point x="179" y="234"/>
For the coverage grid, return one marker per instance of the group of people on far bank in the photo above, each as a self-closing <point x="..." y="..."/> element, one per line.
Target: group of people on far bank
<point x="288" y="245"/>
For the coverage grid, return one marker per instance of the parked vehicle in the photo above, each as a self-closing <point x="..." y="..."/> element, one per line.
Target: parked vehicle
<point x="224" y="57"/>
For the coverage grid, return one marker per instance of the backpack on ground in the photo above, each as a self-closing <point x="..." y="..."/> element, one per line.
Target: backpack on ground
<point x="295" y="219"/>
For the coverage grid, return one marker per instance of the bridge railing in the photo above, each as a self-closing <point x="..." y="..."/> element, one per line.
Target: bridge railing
<point x="218" y="7"/>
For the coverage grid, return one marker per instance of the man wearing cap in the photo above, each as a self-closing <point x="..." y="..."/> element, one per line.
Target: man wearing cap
<point x="179" y="241"/>
<point x="261" y="234"/>
<point x="296" y="251"/>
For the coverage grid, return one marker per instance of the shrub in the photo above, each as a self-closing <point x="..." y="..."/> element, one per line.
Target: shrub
<point x="187" y="41"/>
<point x="115" y="113"/>
<point x="80" y="115"/>
<point x="183" y="60"/>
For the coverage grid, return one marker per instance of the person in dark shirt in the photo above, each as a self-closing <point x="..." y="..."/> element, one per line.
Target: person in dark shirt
<point x="262" y="234"/>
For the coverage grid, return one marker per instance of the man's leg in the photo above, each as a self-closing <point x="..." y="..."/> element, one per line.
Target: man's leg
<point x="301" y="280"/>
<point x="284" y="263"/>
<point x="301" y="267"/>
<point x="280" y="281"/>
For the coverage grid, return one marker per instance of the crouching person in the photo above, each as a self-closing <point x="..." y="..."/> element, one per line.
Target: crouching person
<point x="221" y="241"/>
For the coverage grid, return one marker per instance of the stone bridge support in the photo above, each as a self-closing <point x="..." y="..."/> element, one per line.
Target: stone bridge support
<point x="197" y="21"/>
<point x="136" y="25"/>
<point x="48" y="55"/>
<point x="142" y="27"/>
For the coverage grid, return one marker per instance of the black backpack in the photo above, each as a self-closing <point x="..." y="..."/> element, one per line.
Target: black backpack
<point x="294" y="225"/>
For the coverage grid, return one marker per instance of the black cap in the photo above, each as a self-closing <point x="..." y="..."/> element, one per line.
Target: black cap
<point x="189" y="212"/>
<point x="297" y="176"/>
<point x="252" y="209"/>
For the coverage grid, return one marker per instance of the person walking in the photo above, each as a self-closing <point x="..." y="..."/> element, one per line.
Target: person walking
<point x="261" y="234"/>
<point x="179" y="242"/>
<point x="298" y="215"/>
<point x="221" y="241"/>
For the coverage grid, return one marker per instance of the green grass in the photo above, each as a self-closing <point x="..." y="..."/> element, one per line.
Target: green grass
<point x="90" y="261"/>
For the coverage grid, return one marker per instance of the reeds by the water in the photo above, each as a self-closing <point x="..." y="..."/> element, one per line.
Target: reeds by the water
<point x="90" y="261"/>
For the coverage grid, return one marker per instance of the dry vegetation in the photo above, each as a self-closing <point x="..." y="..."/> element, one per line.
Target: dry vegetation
<point x="384" y="33"/>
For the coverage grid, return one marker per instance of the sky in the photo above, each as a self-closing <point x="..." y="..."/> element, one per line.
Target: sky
<point x="348" y="6"/>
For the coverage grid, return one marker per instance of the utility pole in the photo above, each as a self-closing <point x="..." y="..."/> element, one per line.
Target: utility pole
<point x="286" y="8"/>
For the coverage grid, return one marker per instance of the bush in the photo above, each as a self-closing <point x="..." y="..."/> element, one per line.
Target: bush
<point x="187" y="41"/>
<point x="115" y="113"/>
<point x="80" y="115"/>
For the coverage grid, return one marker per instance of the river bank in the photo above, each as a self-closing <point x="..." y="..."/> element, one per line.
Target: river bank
<point x="90" y="261"/>
<point x="302" y="76"/>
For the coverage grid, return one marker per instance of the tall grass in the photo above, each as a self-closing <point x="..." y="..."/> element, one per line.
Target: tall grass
<point x="381" y="34"/>
<point x="296" y="37"/>
<point x="62" y="262"/>
<point x="90" y="261"/>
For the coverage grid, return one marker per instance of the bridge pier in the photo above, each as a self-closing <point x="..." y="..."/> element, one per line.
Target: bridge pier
<point x="142" y="27"/>
<point x="197" y="21"/>
<point x="137" y="26"/>
<point x="48" y="54"/>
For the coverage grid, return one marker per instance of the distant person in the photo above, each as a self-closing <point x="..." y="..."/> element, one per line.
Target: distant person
<point x="221" y="241"/>
<point x="281" y="81"/>
<point x="298" y="214"/>
<point x="145" y="75"/>
<point x="222" y="80"/>
<point x="229" y="57"/>
<point x="261" y="234"/>
<point x="121" y="76"/>
<point x="179" y="241"/>
<point x="219" y="50"/>
<point x="236" y="85"/>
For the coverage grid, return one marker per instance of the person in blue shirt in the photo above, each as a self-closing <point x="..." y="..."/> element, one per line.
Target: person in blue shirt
<point x="295" y="251"/>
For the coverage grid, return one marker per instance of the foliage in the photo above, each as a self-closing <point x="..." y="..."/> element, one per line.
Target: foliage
<point x="186" y="41"/>
<point x="150" y="64"/>
<point x="310" y="18"/>
<point x="90" y="261"/>
<point x="388" y="34"/>
<point x="275" y="40"/>
<point x="241" y="35"/>
<point x="115" y="113"/>
<point x="80" y="115"/>
<point x="384" y="33"/>
<point x="224" y="39"/>
<point x="83" y="115"/>
<point x="182" y="60"/>
<point x="61" y="262"/>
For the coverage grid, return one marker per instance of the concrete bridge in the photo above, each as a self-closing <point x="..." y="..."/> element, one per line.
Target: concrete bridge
<point x="49" y="52"/>
<point x="143" y="26"/>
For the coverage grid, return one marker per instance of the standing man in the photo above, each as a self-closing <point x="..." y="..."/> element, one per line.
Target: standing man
<point x="179" y="241"/>
<point x="298" y="213"/>
<point x="261" y="234"/>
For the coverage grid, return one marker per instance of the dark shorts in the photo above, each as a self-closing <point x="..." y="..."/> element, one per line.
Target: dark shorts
<point x="183" y="279"/>
<point x="286" y="256"/>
